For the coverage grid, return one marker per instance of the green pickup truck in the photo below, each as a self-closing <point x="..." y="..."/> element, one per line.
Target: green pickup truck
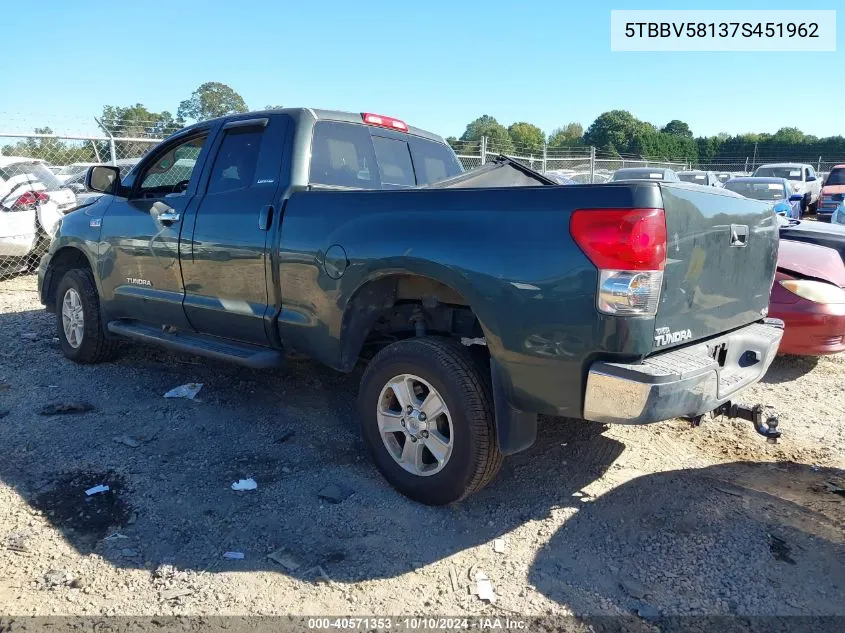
<point x="475" y="306"/>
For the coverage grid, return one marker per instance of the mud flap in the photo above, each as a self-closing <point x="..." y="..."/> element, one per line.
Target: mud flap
<point x="515" y="430"/>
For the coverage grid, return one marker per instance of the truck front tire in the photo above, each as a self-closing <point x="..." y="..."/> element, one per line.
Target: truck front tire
<point x="80" y="330"/>
<point x="427" y="420"/>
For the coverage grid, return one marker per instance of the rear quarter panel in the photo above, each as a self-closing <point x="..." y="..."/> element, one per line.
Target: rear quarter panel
<point x="507" y="251"/>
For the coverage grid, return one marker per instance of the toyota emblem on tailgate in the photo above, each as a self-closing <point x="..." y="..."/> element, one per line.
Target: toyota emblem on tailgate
<point x="739" y="235"/>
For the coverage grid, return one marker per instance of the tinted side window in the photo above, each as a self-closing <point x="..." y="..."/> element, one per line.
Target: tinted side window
<point x="234" y="166"/>
<point x="433" y="161"/>
<point x="394" y="161"/>
<point x="342" y="155"/>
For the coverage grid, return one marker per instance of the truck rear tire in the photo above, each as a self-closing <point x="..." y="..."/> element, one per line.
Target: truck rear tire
<point x="426" y="416"/>
<point x="82" y="336"/>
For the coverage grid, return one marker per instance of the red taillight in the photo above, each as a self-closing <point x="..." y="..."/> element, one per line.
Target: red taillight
<point x="31" y="198"/>
<point x="384" y="121"/>
<point x="621" y="239"/>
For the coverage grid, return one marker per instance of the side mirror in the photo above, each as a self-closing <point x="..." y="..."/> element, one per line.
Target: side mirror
<point x="810" y="178"/>
<point x="102" y="178"/>
<point x="796" y="197"/>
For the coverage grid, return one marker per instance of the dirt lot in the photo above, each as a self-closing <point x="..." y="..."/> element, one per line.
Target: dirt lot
<point x="595" y="520"/>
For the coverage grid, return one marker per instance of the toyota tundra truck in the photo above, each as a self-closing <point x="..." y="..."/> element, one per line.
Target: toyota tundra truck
<point x="473" y="307"/>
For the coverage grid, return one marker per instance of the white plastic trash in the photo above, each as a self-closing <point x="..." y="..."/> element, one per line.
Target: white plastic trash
<point x="245" y="484"/>
<point x="189" y="391"/>
<point x="234" y="555"/>
<point x="97" y="490"/>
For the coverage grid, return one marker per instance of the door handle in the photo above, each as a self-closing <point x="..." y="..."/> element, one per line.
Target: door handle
<point x="168" y="217"/>
<point x="265" y="218"/>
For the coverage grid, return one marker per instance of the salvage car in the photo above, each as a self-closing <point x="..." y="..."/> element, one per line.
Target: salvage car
<point x="829" y="235"/>
<point x="803" y="179"/>
<point x="654" y="174"/>
<point x="699" y="177"/>
<point x="32" y="202"/>
<point x="775" y="190"/>
<point x="809" y="296"/>
<point x="355" y="239"/>
<point x="832" y="193"/>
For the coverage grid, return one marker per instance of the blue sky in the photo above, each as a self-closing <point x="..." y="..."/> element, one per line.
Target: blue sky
<point x="436" y="64"/>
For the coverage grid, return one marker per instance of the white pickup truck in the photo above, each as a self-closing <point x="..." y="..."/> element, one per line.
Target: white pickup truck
<point x="803" y="178"/>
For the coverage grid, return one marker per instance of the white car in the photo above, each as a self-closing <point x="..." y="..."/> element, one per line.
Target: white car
<point x="74" y="169"/>
<point x="803" y="178"/>
<point x="32" y="202"/>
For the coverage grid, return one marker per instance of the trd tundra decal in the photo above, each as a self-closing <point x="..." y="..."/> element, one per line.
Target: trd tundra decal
<point x="662" y="336"/>
<point x="138" y="282"/>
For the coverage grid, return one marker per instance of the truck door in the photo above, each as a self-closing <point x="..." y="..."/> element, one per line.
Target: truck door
<point x="225" y="262"/>
<point x="139" y="249"/>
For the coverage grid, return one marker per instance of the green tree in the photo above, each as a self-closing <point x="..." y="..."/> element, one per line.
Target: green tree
<point x="614" y="129"/>
<point x="570" y="135"/>
<point x="527" y="138"/>
<point x="137" y="121"/>
<point x="788" y="135"/>
<point x="498" y="139"/>
<point x="677" y="128"/>
<point x="211" y="99"/>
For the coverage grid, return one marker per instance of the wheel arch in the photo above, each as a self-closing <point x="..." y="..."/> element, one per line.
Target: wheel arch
<point x="64" y="259"/>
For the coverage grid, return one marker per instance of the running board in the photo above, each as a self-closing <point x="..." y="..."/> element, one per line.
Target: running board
<point x="202" y="345"/>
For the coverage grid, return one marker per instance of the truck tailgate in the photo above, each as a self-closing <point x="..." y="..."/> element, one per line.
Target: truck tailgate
<point x="720" y="262"/>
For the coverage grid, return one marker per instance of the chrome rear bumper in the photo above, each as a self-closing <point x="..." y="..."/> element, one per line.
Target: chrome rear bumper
<point x="683" y="382"/>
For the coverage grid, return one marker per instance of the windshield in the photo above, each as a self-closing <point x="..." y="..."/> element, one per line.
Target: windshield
<point x="790" y="173"/>
<point x="758" y="190"/>
<point x="700" y="179"/>
<point x="72" y="170"/>
<point x="835" y="177"/>
<point x="638" y="174"/>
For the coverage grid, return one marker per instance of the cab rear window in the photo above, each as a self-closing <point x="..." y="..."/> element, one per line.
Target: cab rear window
<point x="349" y="155"/>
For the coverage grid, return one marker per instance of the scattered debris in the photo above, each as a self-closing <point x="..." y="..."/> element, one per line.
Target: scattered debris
<point x="97" y="490"/>
<point x="320" y="573"/>
<point x="189" y="391"/>
<point x="285" y="436"/>
<point x="245" y="484"/>
<point x="29" y="336"/>
<point x="832" y="486"/>
<point x="633" y="588"/>
<point x="172" y="594"/>
<point x="131" y="442"/>
<point x="19" y="541"/>
<point x="815" y="468"/>
<point x="128" y="552"/>
<point x="234" y="555"/>
<point x="647" y="612"/>
<point x="484" y="588"/>
<point x="499" y="545"/>
<point x="780" y="549"/>
<point x="335" y="493"/>
<point x="116" y="536"/>
<point x="58" y="578"/>
<point x="729" y="492"/>
<point x="453" y="577"/>
<point x="61" y="408"/>
<point x="285" y="558"/>
<point x="473" y="341"/>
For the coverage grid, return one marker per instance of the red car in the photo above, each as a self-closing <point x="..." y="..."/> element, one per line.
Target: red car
<point x="809" y="296"/>
<point x="831" y="194"/>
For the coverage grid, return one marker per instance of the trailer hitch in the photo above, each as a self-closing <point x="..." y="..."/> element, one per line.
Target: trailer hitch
<point x="767" y="427"/>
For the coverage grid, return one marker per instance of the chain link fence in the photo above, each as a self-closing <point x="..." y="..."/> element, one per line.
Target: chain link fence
<point x="42" y="177"/>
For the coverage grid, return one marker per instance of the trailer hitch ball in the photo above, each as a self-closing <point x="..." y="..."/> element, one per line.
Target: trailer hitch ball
<point x="764" y="419"/>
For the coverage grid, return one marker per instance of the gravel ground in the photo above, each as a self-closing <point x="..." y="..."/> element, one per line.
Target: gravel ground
<point x="594" y="520"/>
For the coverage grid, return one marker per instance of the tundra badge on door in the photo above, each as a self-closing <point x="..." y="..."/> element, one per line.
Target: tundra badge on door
<point x="662" y="336"/>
